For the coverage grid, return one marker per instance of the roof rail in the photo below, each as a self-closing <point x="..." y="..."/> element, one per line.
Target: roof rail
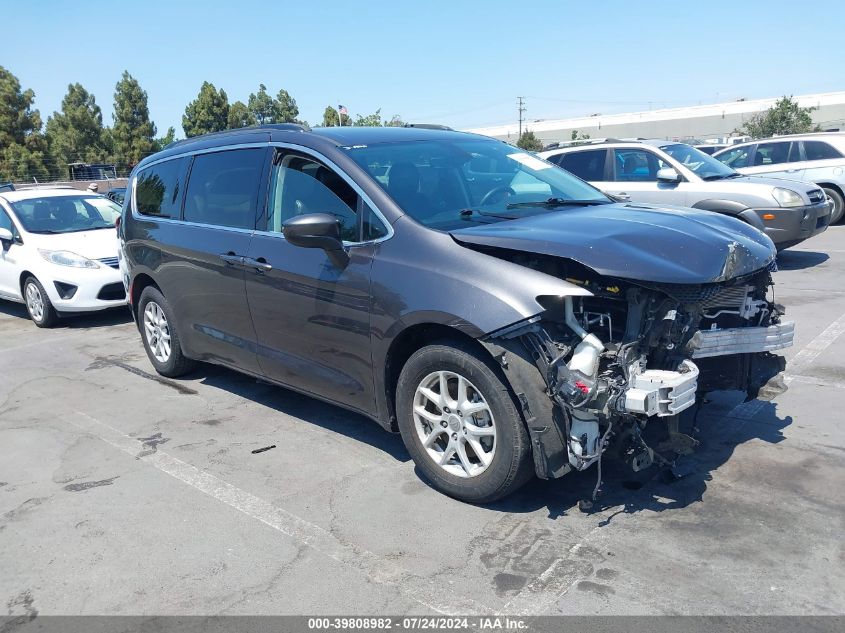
<point x="591" y="141"/>
<point x="292" y="127"/>
<point x="429" y="126"/>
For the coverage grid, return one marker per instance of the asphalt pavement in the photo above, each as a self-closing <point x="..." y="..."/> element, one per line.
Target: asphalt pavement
<point x="125" y="493"/>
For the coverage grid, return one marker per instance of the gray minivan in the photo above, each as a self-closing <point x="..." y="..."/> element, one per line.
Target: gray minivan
<point x="504" y="316"/>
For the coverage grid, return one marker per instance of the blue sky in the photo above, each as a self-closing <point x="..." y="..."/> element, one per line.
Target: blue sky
<point x="459" y="62"/>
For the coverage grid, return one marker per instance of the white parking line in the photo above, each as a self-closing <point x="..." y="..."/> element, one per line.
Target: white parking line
<point x="821" y="382"/>
<point x="424" y="591"/>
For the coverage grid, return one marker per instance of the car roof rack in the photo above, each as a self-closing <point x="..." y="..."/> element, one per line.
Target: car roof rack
<point x="593" y="141"/>
<point x="290" y="127"/>
<point x="429" y="126"/>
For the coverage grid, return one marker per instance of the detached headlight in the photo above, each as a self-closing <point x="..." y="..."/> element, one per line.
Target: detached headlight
<point x="66" y="258"/>
<point x="787" y="197"/>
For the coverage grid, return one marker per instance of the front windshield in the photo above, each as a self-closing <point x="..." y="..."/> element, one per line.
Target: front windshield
<point x="445" y="184"/>
<point x="702" y="165"/>
<point x="66" y="214"/>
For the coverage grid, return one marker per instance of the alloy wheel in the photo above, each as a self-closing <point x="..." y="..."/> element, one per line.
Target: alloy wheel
<point x="454" y="423"/>
<point x="157" y="331"/>
<point x="34" y="302"/>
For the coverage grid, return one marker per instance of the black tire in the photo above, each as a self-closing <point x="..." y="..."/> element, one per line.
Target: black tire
<point x="49" y="316"/>
<point x="511" y="465"/>
<point x="176" y="363"/>
<point x="838" y="204"/>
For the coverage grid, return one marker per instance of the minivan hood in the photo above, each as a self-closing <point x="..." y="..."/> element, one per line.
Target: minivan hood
<point x="636" y="241"/>
<point x="97" y="244"/>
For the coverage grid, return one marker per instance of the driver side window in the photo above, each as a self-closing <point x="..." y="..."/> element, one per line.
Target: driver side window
<point x="300" y="185"/>
<point x="636" y="165"/>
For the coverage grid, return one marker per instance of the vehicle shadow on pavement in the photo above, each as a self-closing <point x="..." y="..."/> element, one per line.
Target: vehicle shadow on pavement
<point x="304" y="408"/>
<point x="655" y="489"/>
<point x="104" y="318"/>
<point x="799" y="260"/>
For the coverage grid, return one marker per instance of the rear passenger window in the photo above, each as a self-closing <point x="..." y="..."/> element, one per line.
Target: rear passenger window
<point x="817" y="150"/>
<point x="588" y="165"/>
<point x="223" y="188"/>
<point x="158" y="189"/>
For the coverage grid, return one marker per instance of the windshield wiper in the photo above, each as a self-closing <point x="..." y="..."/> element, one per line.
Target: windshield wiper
<point x="735" y="174"/>
<point x="89" y="228"/>
<point x="551" y="203"/>
<point x="468" y="213"/>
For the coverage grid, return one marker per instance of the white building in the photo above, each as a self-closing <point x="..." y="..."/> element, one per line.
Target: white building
<point x="714" y="121"/>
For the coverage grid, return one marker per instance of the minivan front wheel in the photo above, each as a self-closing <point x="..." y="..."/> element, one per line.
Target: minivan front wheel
<point x="161" y="341"/>
<point x="460" y="425"/>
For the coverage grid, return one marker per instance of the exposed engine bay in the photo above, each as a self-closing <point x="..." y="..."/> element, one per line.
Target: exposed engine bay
<point x="634" y="353"/>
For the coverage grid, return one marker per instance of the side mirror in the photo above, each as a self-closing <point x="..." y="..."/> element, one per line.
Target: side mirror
<point x="667" y="174"/>
<point x="317" y="230"/>
<point x="6" y="238"/>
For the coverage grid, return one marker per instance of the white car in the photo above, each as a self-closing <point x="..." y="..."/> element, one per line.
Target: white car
<point x="59" y="252"/>
<point x="817" y="157"/>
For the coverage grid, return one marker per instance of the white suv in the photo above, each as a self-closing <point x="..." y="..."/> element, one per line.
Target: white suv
<point x="59" y="252"/>
<point x="818" y="158"/>
<point x="667" y="172"/>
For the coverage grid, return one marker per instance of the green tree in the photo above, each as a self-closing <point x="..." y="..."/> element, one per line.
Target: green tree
<point x="239" y="116"/>
<point x="261" y="105"/>
<point x="209" y="112"/>
<point x="133" y="133"/>
<point x="578" y="136"/>
<point x="76" y="133"/>
<point x="528" y="141"/>
<point x="330" y="117"/>
<point x="285" y="110"/>
<point x="371" y="120"/>
<point x="23" y="148"/>
<point x="166" y="140"/>
<point x="395" y="121"/>
<point x="785" y="117"/>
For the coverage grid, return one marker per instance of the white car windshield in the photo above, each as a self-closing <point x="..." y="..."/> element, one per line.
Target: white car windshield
<point x="702" y="165"/>
<point x="66" y="214"/>
<point x="444" y="184"/>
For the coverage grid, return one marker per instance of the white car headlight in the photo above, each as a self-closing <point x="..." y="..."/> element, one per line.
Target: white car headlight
<point x="787" y="197"/>
<point x="66" y="258"/>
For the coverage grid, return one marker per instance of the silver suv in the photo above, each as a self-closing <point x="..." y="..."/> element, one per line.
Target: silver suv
<point x="818" y="158"/>
<point x="666" y="172"/>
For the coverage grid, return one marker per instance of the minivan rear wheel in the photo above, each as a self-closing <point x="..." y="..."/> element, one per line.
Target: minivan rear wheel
<point x="838" y="204"/>
<point x="156" y="321"/>
<point x="459" y="422"/>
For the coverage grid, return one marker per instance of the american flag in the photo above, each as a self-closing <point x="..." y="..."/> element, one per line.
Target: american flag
<point x="343" y="110"/>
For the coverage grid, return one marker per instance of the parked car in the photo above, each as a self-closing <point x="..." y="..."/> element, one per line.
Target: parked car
<point x="59" y="252"/>
<point x="507" y="318"/>
<point x="818" y="158"/>
<point x="666" y="172"/>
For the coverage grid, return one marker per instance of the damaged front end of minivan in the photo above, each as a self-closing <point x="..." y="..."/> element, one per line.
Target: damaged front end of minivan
<point x="592" y="371"/>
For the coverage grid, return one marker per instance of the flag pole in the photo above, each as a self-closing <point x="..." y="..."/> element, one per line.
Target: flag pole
<point x="339" y="117"/>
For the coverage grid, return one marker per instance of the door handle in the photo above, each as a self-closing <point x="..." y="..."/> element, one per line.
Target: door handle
<point x="232" y="259"/>
<point x="260" y="265"/>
